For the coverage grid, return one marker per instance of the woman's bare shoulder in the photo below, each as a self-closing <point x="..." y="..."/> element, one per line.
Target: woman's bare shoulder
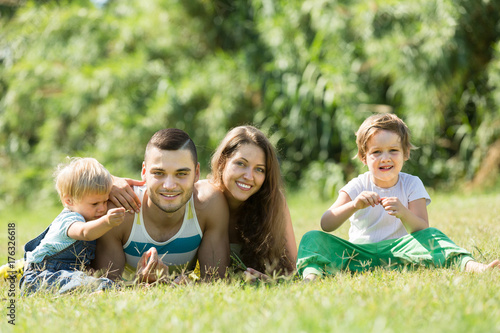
<point x="207" y="192"/>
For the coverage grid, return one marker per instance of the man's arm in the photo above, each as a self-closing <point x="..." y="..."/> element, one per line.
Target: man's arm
<point x="213" y="253"/>
<point x="110" y="257"/>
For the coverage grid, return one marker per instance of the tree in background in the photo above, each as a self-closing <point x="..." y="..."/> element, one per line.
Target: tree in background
<point x="80" y="79"/>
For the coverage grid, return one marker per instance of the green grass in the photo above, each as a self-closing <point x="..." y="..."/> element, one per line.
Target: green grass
<point x="439" y="300"/>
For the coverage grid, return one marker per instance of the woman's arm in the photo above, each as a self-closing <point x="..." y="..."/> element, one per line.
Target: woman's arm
<point x="291" y="245"/>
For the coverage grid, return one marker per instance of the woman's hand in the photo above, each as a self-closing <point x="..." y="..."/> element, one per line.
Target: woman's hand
<point x="253" y="275"/>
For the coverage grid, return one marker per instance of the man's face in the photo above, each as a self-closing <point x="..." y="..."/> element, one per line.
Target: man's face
<point x="170" y="176"/>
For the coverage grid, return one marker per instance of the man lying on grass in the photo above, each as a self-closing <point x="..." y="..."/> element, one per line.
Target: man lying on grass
<point x="178" y="222"/>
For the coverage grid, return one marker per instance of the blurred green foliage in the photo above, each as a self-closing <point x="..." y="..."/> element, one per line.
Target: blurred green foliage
<point x="81" y="80"/>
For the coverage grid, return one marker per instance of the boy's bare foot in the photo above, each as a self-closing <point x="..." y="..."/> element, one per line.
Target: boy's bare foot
<point x="474" y="266"/>
<point x="310" y="278"/>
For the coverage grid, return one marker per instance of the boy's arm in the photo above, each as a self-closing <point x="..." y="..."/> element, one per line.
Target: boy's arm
<point x="92" y="230"/>
<point x="338" y="213"/>
<point x="344" y="207"/>
<point x="213" y="253"/>
<point x="414" y="218"/>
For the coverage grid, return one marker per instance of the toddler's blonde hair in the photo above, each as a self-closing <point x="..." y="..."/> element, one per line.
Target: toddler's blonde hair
<point x="81" y="177"/>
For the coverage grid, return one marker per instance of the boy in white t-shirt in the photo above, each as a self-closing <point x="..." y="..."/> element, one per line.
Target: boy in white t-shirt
<point x="388" y="213"/>
<point x="56" y="259"/>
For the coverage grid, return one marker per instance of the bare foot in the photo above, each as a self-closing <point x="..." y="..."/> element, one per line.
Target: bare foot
<point x="310" y="278"/>
<point x="474" y="266"/>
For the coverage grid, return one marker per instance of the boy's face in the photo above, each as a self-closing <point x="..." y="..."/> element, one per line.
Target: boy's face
<point x="170" y="176"/>
<point x="91" y="207"/>
<point x="384" y="158"/>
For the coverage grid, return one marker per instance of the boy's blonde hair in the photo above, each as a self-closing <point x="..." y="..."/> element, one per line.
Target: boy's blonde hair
<point x="385" y="121"/>
<point x="81" y="177"/>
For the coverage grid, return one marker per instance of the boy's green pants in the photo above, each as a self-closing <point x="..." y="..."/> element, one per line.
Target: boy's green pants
<point x="320" y="253"/>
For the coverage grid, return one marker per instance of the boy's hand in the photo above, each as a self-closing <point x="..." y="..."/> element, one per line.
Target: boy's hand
<point x="365" y="199"/>
<point x="393" y="206"/>
<point x="116" y="216"/>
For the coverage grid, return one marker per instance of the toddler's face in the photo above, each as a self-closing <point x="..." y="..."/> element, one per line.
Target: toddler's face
<point x="384" y="158"/>
<point x="92" y="206"/>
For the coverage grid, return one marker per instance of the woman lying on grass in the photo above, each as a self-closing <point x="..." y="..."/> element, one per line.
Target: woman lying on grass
<point x="245" y="169"/>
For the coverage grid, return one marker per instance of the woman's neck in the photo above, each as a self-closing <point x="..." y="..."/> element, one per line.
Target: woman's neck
<point x="234" y="204"/>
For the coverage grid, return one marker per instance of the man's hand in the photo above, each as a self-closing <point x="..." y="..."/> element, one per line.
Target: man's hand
<point x="122" y="194"/>
<point x="150" y="268"/>
<point x="181" y="280"/>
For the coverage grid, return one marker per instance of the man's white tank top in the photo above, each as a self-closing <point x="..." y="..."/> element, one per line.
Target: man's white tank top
<point x="179" y="251"/>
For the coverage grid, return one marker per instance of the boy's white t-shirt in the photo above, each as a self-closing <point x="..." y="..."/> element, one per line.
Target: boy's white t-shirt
<point x="374" y="224"/>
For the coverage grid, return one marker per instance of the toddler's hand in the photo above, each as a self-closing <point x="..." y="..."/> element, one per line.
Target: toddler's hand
<point x="365" y="199"/>
<point x="116" y="216"/>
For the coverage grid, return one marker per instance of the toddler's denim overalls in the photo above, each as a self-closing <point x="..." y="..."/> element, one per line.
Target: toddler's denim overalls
<point x="61" y="271"/>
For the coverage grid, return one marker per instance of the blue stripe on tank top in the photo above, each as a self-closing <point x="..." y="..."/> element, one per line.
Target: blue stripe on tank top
<point x="182" y="245"/>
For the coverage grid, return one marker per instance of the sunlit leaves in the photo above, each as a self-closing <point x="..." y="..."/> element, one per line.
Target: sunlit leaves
<point x="80" y="80"/>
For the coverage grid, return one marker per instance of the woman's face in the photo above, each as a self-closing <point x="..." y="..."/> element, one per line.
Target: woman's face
<point x="244" y="174"/>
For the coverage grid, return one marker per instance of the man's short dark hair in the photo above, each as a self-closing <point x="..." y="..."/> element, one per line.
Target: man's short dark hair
<point x="172" y="139"/>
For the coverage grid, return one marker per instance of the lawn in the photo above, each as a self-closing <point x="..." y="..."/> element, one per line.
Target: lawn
<point x="439" y="300"/>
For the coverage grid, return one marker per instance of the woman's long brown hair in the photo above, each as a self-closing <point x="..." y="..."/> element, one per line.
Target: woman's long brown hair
<point x="260" y="220"/>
